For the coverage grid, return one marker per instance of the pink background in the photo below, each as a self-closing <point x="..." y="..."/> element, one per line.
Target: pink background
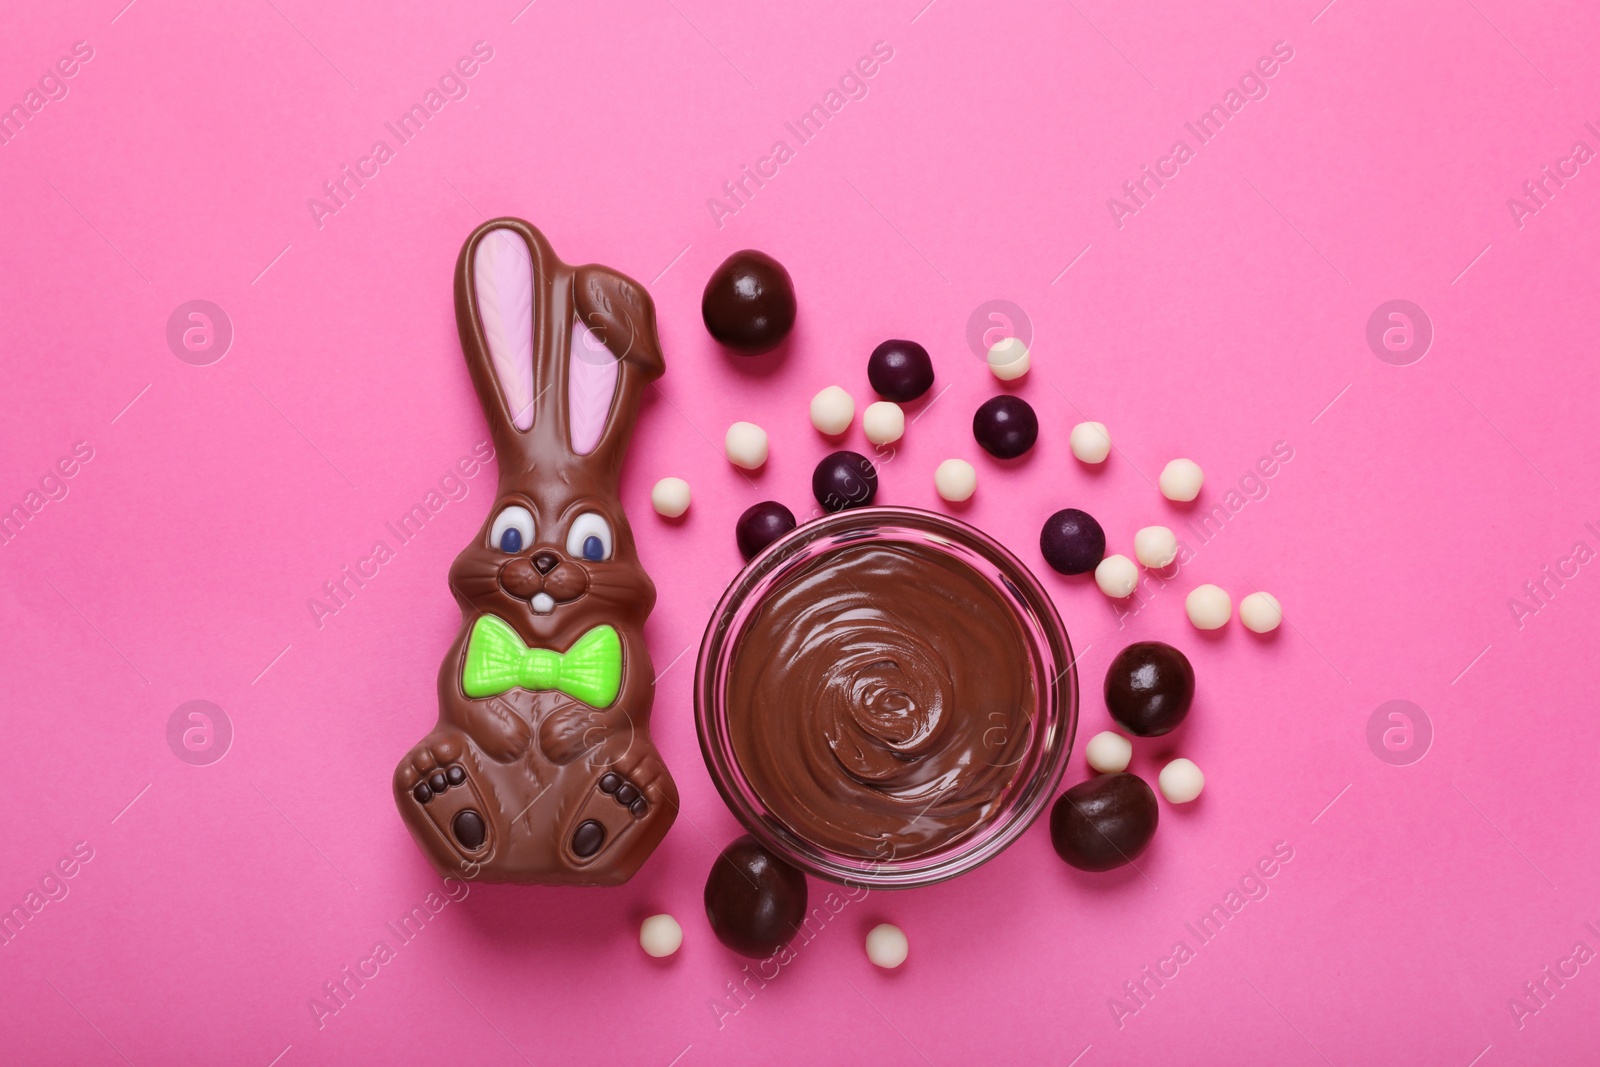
<point x="1226" y="315"/>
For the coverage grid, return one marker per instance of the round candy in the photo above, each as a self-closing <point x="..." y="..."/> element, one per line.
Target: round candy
<point x="956" y="480"/>
<point x="754" y="900"/>
<point x="760" y="525"/>
<point x="1181" y="781"/>
<point x="1149" y="688"/>
<point x="1208" y="607"/>
<point x="1072" y="542"/>
<point x="1260" y="612"/>
<point x="1181" y="480"/>
<point x="1008" y="359"/>
<point x="1105" y="822"/>
<point x="1117" y="577"/>
<point x="749" y="303"/>
<point x="1108" y="752"/>
<point x="883" y="422"/>
<point x="1155" y="546"/>
<point x="670" y="497"/>
<point x="746" y="445"/>
<point x="1005" y="426"/>
<point x="844" y="480"/>
<point x="887" y="945"/>
<point x="660" y="935"/>
<point x="832" y="411"/>
<point x="1090" y="442"/>
<point x="900" y="371"/>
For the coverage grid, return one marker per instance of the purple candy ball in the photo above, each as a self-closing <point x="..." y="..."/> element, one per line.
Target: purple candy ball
<point x="760" y="525"/>
<point x="1072" y="541"/>
<point x="1005" y="426"/>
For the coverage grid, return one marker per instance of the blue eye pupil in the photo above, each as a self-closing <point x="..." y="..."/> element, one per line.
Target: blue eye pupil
<point x="593" y="548"/>
<point x="511" y="540"/>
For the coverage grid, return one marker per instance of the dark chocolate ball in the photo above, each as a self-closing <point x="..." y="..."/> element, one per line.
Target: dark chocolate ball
<point x="754" y="900"/>
<point x="900" y="371"/>
<point x="1072" y="542"/>
<point x="1105" y="822"/>
<point x="1005" y="426"/>
<point x="844" y="479"/>
<point x="760" y="525"/>
<point x="749" y="303"/>
<point x="1149" y="688"/>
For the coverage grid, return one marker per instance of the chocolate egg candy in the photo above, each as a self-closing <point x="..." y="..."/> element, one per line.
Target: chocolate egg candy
<point x="1005" y="426"/>
<point x="900" y="371"/>
<point x="760" y="525"/>
<point x="754" y="900"/>
<point x="1072" y="542"/>
<point x="1105" y="822"/>
<point x="749" y="303"/>
<point x="1149" y="688"/>
<point x="844" y="479"/>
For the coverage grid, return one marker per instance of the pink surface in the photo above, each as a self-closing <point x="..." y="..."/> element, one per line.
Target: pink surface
<point x="192" y="528"/>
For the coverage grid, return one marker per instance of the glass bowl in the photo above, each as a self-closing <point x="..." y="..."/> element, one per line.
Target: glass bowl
<point x="1041" y="762"/>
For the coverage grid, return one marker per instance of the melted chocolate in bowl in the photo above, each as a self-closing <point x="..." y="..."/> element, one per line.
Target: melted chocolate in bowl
<point x="886" y="696"/>
<point x="864" y="726"/>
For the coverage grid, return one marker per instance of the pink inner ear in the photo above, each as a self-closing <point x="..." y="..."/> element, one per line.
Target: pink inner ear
<point x="591" y="385"/>
<point x="503" y="271"/>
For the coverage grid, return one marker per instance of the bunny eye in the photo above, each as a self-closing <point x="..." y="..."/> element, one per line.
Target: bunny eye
<point x="589" y="537"/>
<point x="512" y="530"/>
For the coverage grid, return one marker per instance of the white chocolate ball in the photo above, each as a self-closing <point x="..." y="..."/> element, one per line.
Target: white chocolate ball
<point x="1208" y="607"/>
<point x="956" y="480"/>
<point x="887" y="945"/>
<point x="1181" y="781"/>
<point x="883" y="422"/>
<point x="1090" y="442"/>
<point x="660" y="935"/>
<point x="832" y="411"/>
<point x="1260" y="612"/>
<point x="1181" y="480"/>
<point x="1117" y="577"/>
<point x="1008" y="359"/>
<point x="1109" y="752"/>
<point x="670" y="497"/>
<point x="746" y="445"/>
<point x="1155" y="546"/>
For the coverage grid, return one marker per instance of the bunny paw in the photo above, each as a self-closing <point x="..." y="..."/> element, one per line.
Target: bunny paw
<point x="436" y="776"/>
<point x="610" y="810"/>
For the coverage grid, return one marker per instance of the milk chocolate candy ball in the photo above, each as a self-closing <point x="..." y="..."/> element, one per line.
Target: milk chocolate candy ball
<point x="900" y="371"/>
<point x="1072" y="542"/>
<point x="749" y="303"/>
<point x="1149" y="688"/>
<point x="1105" y="822"/>
<point x="843" y="480"/>
<point x="754" y="901"/>
<point x="760" y="525"/>
<point x="1005" y="426"/>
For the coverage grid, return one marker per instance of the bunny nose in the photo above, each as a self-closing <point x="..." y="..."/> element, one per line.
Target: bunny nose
<point x="546" y="561"/>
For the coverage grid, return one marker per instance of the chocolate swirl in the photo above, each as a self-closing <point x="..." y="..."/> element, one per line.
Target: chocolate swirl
<point x="880" y="699"/>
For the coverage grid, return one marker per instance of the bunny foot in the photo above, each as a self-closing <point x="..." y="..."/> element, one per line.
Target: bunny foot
<point x="612" y="808"/>
<point x="443" y="792"/>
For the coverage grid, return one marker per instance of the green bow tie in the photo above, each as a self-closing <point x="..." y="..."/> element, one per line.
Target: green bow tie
<point x="497" y="660"/>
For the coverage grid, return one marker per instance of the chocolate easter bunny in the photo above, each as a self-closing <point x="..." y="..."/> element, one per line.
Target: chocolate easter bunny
<point x="541" y="768"/>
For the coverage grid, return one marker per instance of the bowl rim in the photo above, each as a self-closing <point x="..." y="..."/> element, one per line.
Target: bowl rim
<point x="1049" y="646"/>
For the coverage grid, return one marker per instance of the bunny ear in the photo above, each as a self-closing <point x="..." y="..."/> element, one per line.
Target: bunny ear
<point x="614" y="353"/>
<point x="502" y="301"/>
<point x="503" y="284"/>
<point x="592" y="375"/>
